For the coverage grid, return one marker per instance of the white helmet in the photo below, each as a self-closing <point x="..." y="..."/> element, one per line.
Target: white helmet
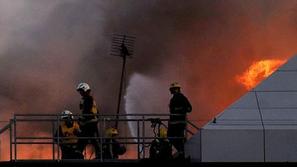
<point x="65" y="114"/>
<point x="83" y="86"/>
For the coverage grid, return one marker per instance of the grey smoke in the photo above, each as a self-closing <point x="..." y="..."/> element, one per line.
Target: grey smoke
<point x="47" y="47"/>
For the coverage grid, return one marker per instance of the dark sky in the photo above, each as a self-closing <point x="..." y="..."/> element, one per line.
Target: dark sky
<point x="48" y="47"/>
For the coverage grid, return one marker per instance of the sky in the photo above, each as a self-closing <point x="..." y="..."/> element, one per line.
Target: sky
<point x="48" y="47"/>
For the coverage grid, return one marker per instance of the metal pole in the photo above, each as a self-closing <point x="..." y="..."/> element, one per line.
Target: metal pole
<point x="10" y="138"/>
<point x="143" y="135"/>
<point x="200" y="144"/>
<point x="15" y="133"/>
<point x="58" y="137"/>
<point x="53" y="135"/>
<point x="138" y="151"/>
<point x="103" y="135"/>
<point x="101" y="139"/>
<point x="121" y="87"/>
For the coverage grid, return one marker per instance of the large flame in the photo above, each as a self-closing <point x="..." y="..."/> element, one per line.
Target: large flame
<point x="258" y="71"/>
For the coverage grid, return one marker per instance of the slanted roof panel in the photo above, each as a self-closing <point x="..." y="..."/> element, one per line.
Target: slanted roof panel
<point x="274" y="100"/>
<point x="280" y="115"/>
<point x="290" y="65"/>
<point x="239" y="114"/>
<point x="248" y="101"/>
<point x="279" y="81"/>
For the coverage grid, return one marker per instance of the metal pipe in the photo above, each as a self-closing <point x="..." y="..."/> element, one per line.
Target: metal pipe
<point x="33" y="143"/>
<point x="138" y="151"/>
<point x="122" y="138"/>
<point x="58" y="133"/>
<point x="49" y="138"/>
<point x="10" y="138"/>
<point x="143" y="135"/>
<point x="193" y="125"/>
<point x="141" y="138"/>
<point x="53" y="135"/>
<point x="201" y="144"/>
<point x="103" y="115"/>
<point x="32" y="137"/>
<point x="101" y="140"/>
<point x="50" y="143"/>
<point x="5" y="128"/>
<point x="51" y="120"/>
<point x="15" y="135"/>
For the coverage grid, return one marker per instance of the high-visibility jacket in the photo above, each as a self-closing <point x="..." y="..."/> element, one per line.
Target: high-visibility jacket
<point x="71" y="132"/>
<point x="88" y="106"/>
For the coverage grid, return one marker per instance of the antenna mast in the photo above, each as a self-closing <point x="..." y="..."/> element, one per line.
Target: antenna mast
<point x="122" y="46"/>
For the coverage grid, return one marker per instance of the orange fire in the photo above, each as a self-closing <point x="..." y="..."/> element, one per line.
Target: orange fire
<point x="258" y="71"/>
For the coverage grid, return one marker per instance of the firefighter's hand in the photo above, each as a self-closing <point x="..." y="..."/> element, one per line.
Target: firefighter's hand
<point x="93" y="120"/>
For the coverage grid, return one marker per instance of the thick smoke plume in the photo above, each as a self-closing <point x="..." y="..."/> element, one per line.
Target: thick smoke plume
<point x="47" y="47"/>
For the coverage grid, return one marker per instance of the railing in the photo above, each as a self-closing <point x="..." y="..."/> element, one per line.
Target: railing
<point x="139" y="125"/>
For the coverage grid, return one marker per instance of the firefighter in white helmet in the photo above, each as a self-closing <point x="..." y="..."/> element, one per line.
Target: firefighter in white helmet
<point x="89" y="118"/>
<point x="112" y="148"/>
<point x="69" y="130"/>
<point x="179" y="106"/>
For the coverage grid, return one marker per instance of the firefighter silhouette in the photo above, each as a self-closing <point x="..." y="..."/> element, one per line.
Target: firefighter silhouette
<point x="160" y="148"/>
<point x="69" y="130"/>
<point x="111" y="147"/>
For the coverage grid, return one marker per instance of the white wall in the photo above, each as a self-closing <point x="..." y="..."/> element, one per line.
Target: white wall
<point x="232" y="145"/>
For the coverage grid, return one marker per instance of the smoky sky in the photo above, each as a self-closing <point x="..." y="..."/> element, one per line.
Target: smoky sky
<point x="48" y="47"/>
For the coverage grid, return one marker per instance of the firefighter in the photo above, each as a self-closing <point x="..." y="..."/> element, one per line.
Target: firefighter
<point x="179" y="107"/>
<point x="89" y="119"/>
<point x="112" y="148"/>
<point x="70" y="129"/>
<point x="161" y="148"/>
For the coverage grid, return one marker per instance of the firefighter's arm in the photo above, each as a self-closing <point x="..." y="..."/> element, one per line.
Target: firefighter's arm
<point x="187" y="105"/>
<point x="77" y="130"/>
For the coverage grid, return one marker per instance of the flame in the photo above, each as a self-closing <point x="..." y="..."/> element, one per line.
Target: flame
<point x="258" y="71"/>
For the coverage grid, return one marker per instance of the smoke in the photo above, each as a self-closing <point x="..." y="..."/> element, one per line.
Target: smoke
<point x="47" y="47"/>
<point x="42" y="48"/>
<point x="145" y="96"/>
<point x="205" y="44"/>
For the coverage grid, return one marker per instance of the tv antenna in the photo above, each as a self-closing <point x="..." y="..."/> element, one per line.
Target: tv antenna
<point x="122" y="46"/>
